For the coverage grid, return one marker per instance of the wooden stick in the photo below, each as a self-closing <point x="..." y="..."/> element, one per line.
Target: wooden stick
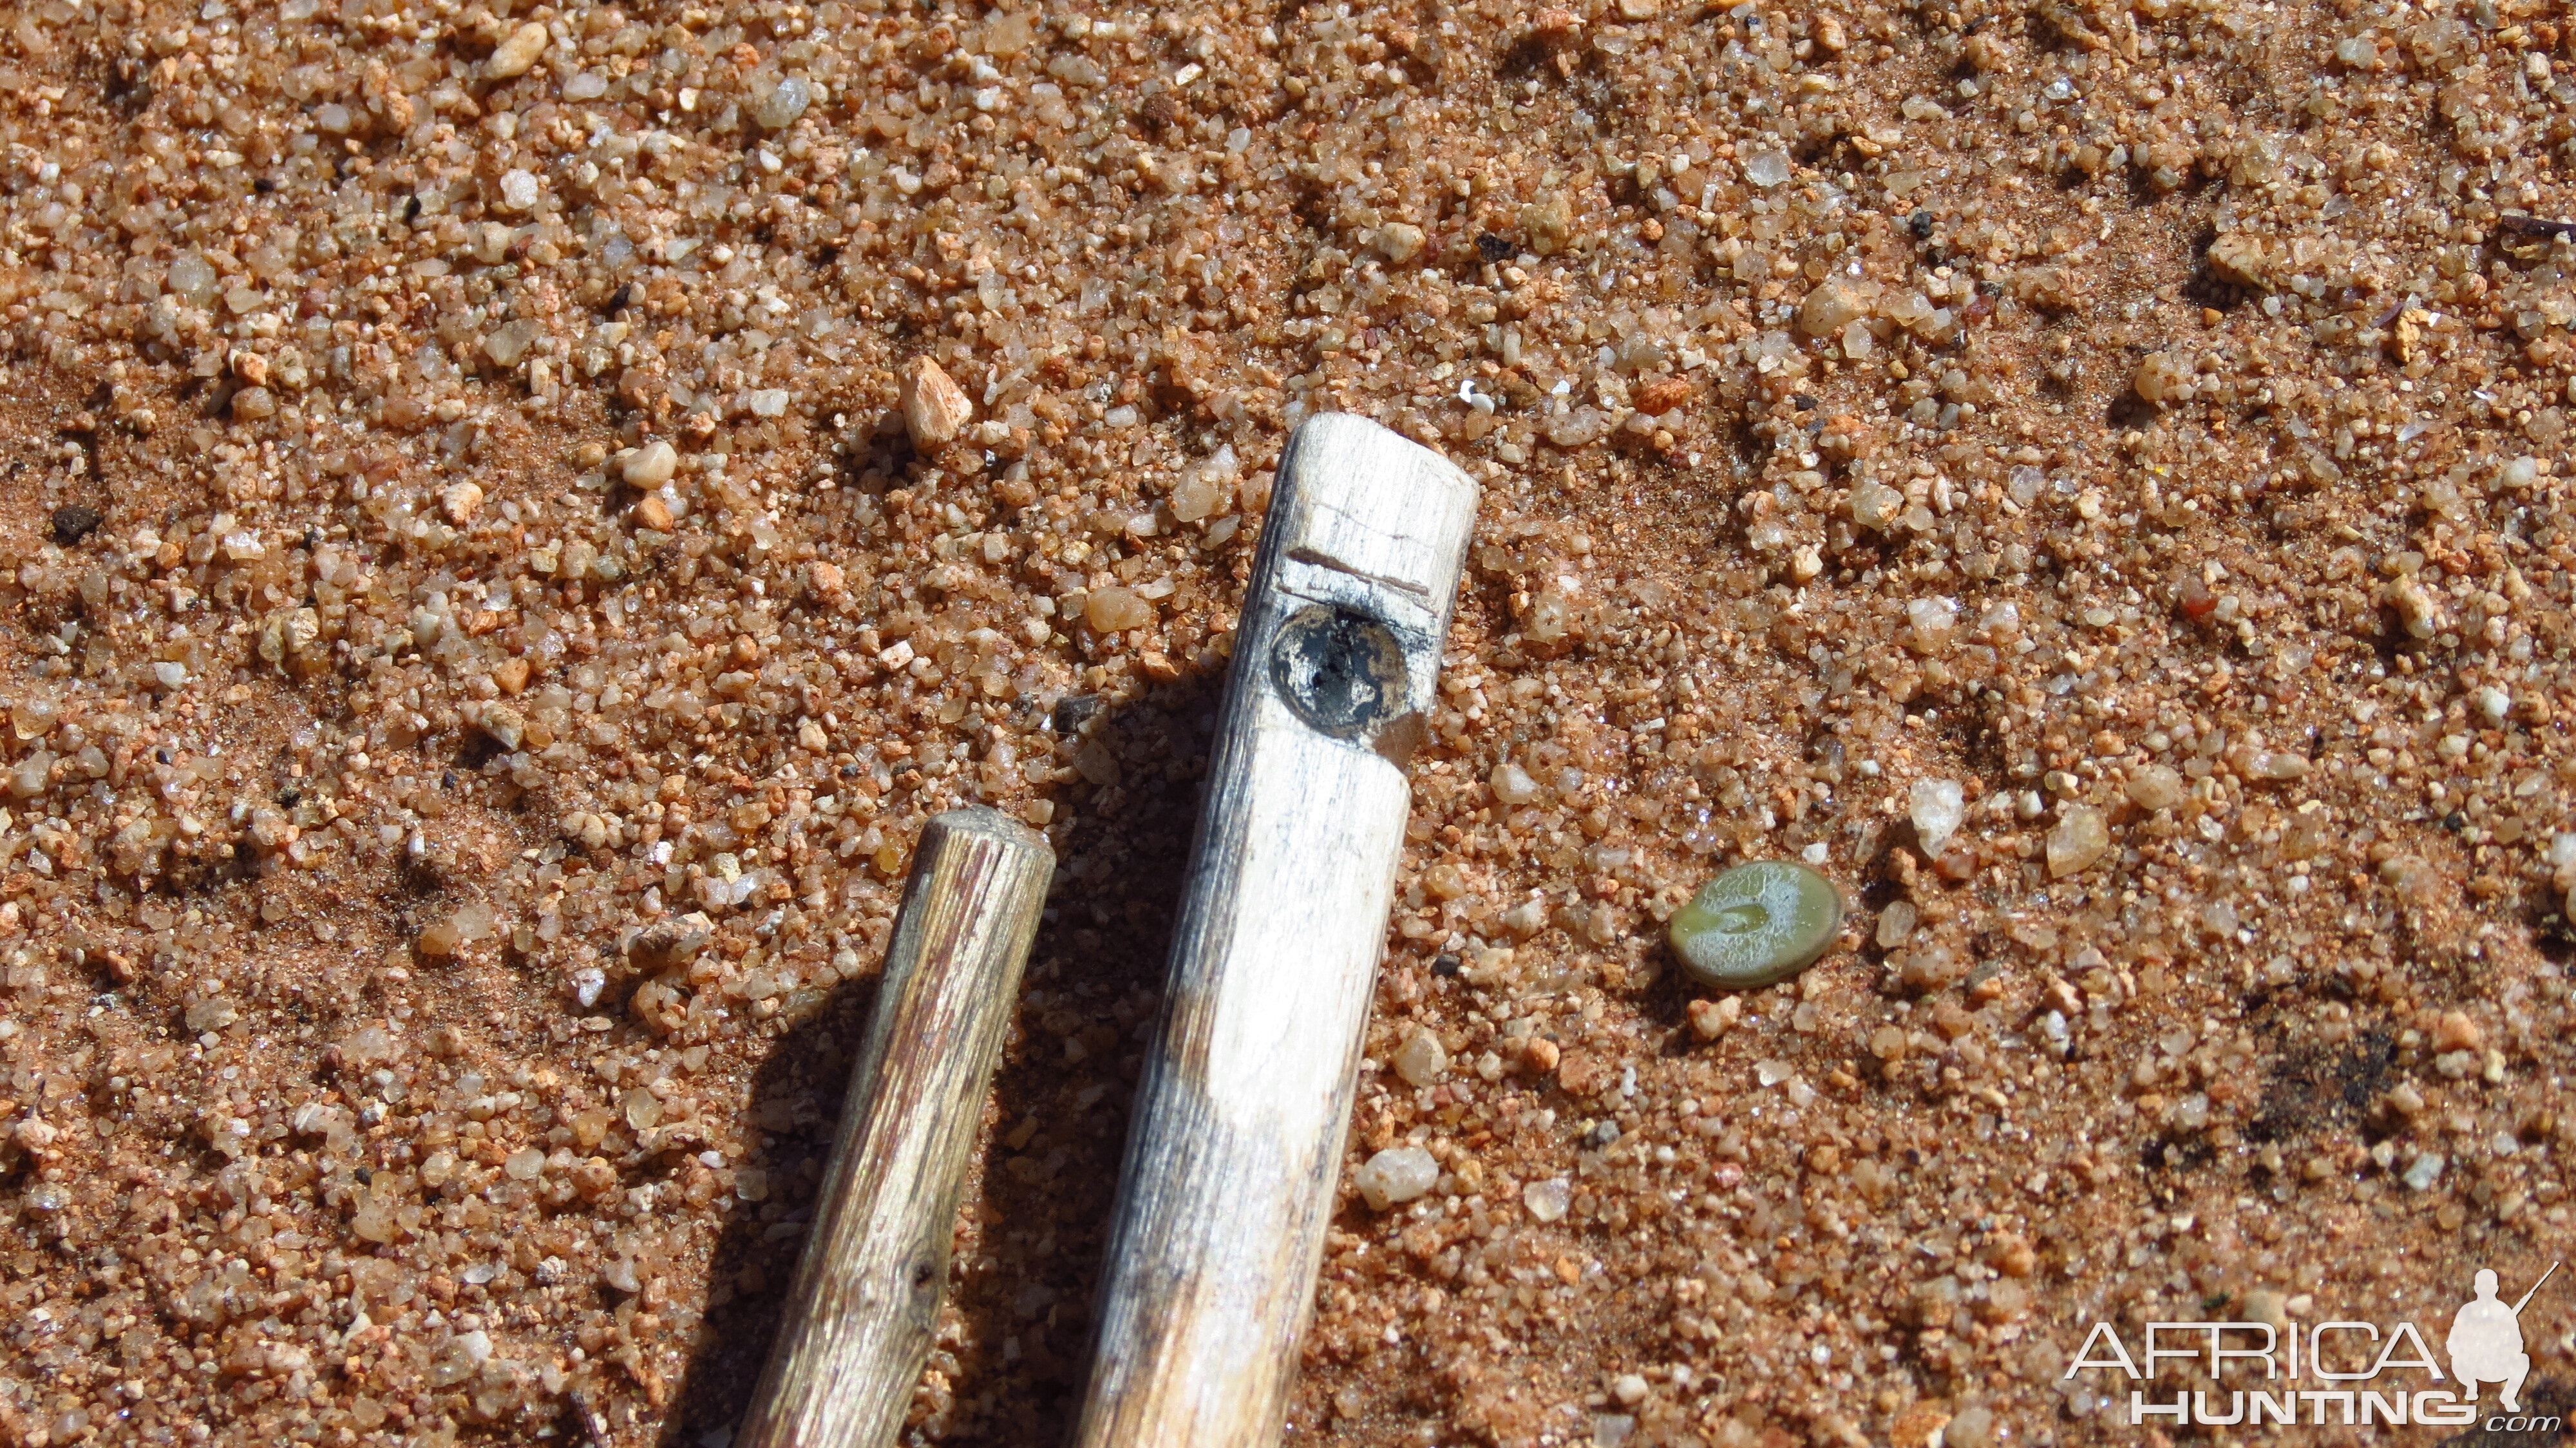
<point x="865" y="1303"/>
<point x="1236" y="1139"/>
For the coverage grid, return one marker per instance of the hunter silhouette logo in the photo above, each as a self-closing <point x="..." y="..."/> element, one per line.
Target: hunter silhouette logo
<point x="2486" y="1341"/>
<point x="2340" y="1372"/>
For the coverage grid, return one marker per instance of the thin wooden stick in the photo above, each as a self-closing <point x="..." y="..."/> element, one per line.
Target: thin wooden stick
<point x="1228" y="1181"/>
<point x="865" y="1303"/>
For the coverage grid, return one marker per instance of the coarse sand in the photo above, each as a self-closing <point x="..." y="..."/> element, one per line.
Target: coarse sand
<point x="2090" y="478"/>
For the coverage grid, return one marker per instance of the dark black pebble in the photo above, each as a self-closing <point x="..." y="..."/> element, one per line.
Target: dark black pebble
<point x="73" y="522"/>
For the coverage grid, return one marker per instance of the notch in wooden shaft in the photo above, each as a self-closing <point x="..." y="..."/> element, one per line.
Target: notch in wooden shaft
<point x="865" y="1304"/>
<point x="1236" y="1139"/>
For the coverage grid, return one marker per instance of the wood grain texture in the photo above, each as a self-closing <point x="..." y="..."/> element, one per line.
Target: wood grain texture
<point x="1228" y="1181"/>
<point x="865" y="1303"/>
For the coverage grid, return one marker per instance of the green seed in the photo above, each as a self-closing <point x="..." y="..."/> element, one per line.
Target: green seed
<point x="1758" y="923"/>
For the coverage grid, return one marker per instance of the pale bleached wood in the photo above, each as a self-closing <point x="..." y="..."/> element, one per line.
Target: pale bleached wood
<point x="865" y="1303"/>
<point x="1227" y="1185"/>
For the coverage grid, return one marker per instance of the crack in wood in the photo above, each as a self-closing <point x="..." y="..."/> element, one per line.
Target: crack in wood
<point x="1321" y="559"/>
